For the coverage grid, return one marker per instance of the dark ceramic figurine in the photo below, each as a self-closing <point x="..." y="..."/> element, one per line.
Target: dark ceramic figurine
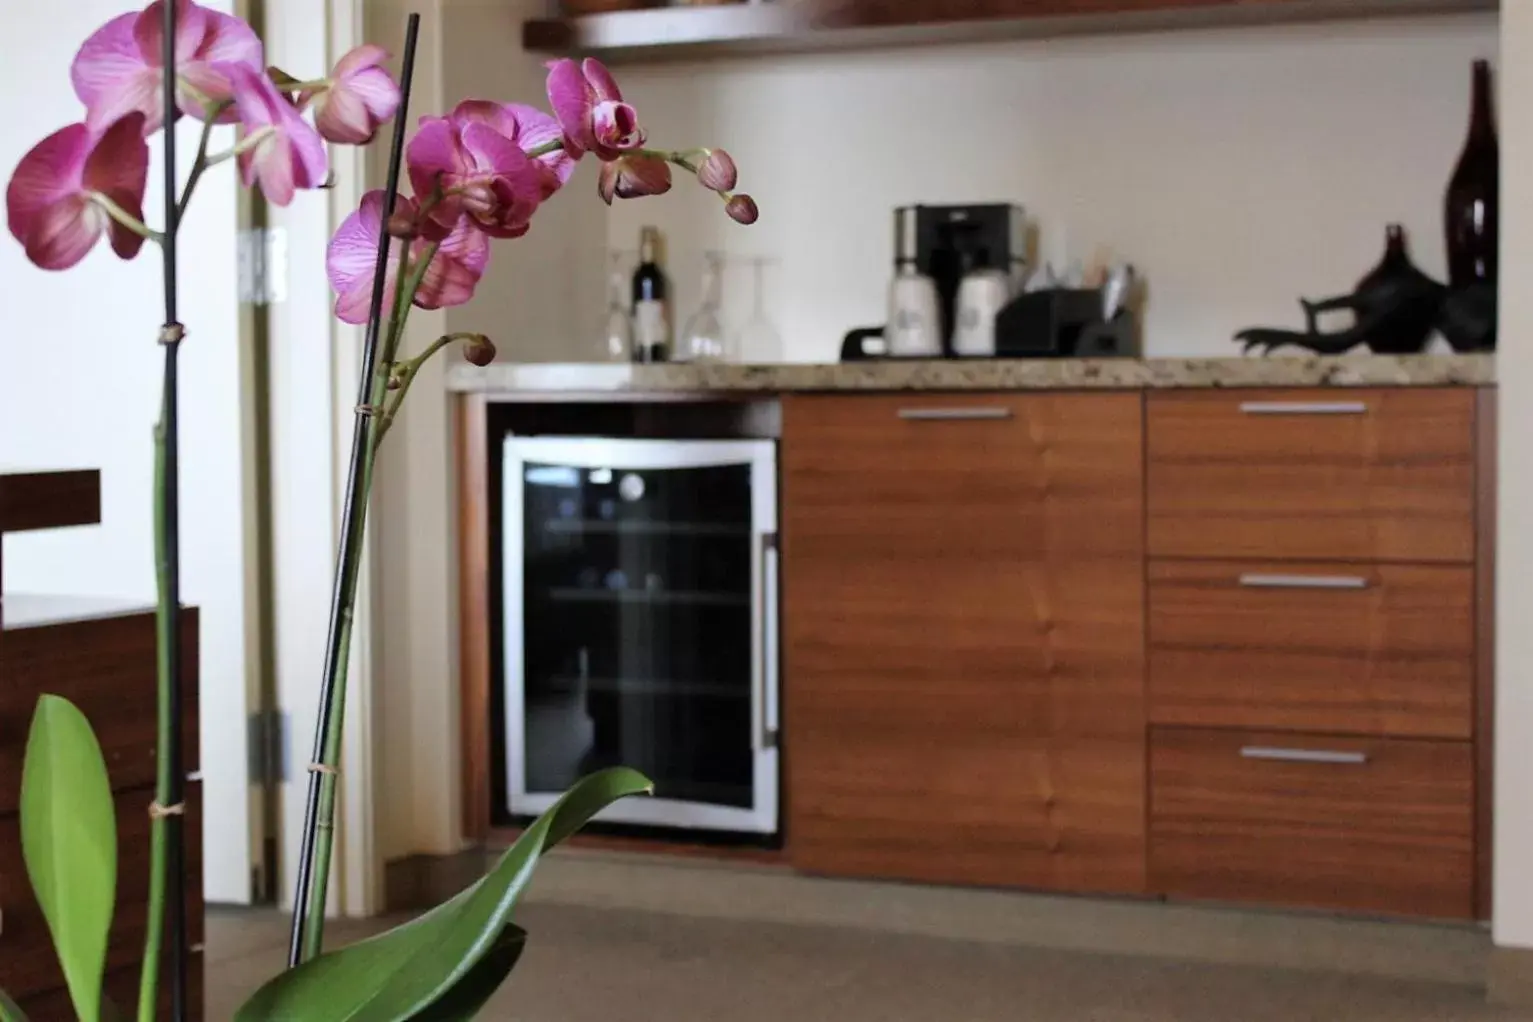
<point x="1468" y="318"/>
<point x="1395" y="307"/>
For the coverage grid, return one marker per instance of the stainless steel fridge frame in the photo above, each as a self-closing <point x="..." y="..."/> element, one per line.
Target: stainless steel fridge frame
<point x="638" y="455"/>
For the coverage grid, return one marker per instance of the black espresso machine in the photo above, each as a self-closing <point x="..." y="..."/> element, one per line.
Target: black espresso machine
<point x="942" y="244"/>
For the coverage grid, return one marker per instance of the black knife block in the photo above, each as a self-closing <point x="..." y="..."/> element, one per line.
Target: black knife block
<point x="1063" y="323"/>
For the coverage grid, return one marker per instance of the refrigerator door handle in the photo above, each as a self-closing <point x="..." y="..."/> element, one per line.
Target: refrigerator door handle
<point x="766" y="664"/>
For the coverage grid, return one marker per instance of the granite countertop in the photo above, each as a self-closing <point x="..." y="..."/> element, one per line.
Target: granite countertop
<point x="510" y="379"/>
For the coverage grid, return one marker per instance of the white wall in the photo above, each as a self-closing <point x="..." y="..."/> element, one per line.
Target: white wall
<point x="1238" y="168"/>
<point x="80" y="387"/>
<point x="1513" y="911"/>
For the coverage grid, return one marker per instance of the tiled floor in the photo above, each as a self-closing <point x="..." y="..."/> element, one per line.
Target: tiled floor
<point x="586" y="964"/>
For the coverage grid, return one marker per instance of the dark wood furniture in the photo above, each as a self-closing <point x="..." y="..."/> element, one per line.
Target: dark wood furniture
<point x="1225" y="644"/>
<point x="99" y="654"/>
<point x="801" y="25"/>
<point x="1314" y="675"/>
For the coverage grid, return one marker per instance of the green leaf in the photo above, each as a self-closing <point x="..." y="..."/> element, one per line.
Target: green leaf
<point x="404" y="974"/>
<point x="10" y="1012"/>
<point x="479" y="984"/>
<point x="69" y="841"/>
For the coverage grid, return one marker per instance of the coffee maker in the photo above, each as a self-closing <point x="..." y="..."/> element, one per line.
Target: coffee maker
<point x="950" y="241"/>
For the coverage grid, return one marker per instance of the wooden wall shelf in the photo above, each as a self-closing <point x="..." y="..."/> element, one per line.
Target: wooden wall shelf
<point x="49" y="500"/>
<point x="787" y="26"/>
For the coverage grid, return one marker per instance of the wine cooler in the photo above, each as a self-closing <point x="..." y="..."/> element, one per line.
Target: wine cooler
<point x="640" y="598"/>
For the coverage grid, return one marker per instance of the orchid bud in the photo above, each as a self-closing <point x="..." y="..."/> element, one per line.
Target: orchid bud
<point x="718" y="171"/>
<point x="479" y="350"/>
<point x="742" y="209"/>
<point x="403" y="225"/>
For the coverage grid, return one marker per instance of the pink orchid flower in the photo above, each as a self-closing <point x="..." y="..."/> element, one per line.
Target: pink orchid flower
<point x="633" y="175"/>
<point x="527" y="126"/>
<point x="280" y="149"/>
<point x="482" y="175"/>
<point x="359" y="98"/>
<point x="590" y="108"/>
<point x="120" y="68"/>
<point x="353" y="255"/>
<point x="55" y="203"/>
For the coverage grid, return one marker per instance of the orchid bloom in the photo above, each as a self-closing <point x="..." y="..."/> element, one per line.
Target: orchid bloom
<point x="590" y="108"/>
<point x="59" y="199"/>
<point x="633" y="175"/>
<point x="120" y="68"/>
<point x="360" y="96"/>
<point x="530" y="128"/>
<point x="352" y="257"/>
<point x="280" y="149"/>
<point x="474" y="171"/>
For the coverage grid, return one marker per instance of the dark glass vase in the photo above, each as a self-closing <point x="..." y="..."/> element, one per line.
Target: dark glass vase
<point x="1472" y="207"/>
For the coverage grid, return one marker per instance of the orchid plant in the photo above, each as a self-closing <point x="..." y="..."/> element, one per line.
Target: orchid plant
<point x="479" y="174"/>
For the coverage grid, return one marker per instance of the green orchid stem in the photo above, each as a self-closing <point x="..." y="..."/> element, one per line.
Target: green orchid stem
<point x="381" y="416"/>
<point x="244" y="145"/>
<point x="125" y="218"/>
<point x="552" y="146"/>
<point x="154" y="938"/>
<point x="405" y="372"/>
<point x="201" y="163"/>
<point x="202" y="98"/>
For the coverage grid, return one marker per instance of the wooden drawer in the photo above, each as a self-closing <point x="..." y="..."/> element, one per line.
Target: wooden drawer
<point x="27" y="962"/>
<point x="966" y="474"/>
<point x="1375" y="825"/>
<point x="1367" y="474"/>
<point x="107" y="668"/>
<point x="1331" y="647"/>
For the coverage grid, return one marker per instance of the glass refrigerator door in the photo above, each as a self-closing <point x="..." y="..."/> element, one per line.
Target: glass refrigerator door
<point x="640" y="597"/>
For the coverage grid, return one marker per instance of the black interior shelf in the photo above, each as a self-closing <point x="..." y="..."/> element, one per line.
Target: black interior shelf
<point x="658" y="597"/>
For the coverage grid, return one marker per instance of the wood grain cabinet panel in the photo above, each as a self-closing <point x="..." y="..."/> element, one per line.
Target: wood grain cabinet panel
<point x="1366" y="474"/>
<point x="963" y="615"/>
<point x="1377" y="649"/>
<point x="105" y="667"/>
<point x="121" y="986"/>
<point x="1376" y="825"/>
<point x="27" y="962"/>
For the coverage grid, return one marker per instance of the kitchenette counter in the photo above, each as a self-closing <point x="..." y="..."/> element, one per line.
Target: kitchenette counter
<point x="511" y="379"/>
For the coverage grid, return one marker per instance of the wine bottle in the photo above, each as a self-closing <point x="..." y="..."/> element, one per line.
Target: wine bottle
<point x="651" y="302"/>
<point x="1472" y="206"/>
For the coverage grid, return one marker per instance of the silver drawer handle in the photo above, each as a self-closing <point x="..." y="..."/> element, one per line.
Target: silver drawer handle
<point x="1303" y="582"/>
<point x="1303" y="407"/>
<point x="952" y="414"/>
<point x="1302" y="755"/>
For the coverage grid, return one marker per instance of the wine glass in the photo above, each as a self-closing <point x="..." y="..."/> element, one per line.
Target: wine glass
<point x="619" y="329"/>
<point x="759" y="340"/>
<point x="702" y="340"/>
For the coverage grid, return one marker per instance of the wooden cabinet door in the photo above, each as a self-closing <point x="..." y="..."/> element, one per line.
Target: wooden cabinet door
<point x="963" y="631"/>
